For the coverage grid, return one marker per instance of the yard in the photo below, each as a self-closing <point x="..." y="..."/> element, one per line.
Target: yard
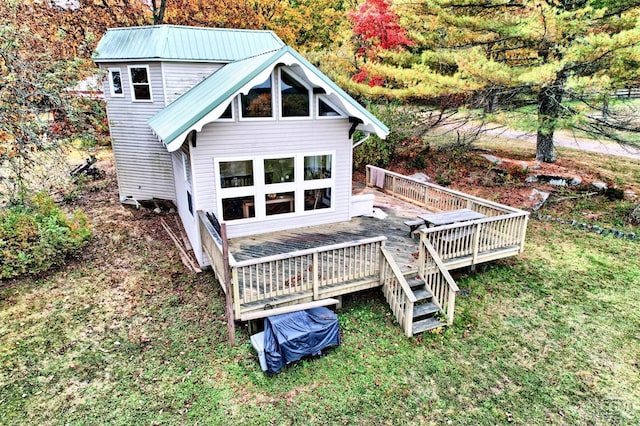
<point x="123" y="335"/>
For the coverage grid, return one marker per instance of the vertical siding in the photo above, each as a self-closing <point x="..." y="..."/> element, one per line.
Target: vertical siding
<point x="249" y="138"/>
<point x="181" y="76"/>
<point x="143" y="164"/>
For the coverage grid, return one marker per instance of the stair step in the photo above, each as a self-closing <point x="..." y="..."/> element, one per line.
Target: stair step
<point x="422" y="294"/>
<point x="424" y="309"/>
<point x="415" y="282"/>
<point x="426" y="324"/>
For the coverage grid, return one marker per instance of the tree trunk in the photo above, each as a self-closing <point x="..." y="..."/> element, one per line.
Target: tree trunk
<point x="549" y="101"/>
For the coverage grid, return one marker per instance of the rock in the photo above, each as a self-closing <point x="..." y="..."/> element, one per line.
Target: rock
<point x="531" y="179"/>
<point x="492" y="159"/>
<point x="635" y="215"/>
<point x="157" y="210"/>
<point x="600" y="186"/>
<point x="575" y="181"/>
<point x="558" y="182"/>
<point x="538" y="198"/>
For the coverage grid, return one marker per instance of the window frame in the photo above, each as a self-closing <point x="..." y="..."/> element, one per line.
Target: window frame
<point x="324" y="99"/>
<point x="260" y="189"/>
<point x="233" y="113"/>
<point x="132" y="85"/>
<point x="111" y="86"/>
<point x="274" y="105"/>
<point x="301" y="82"/>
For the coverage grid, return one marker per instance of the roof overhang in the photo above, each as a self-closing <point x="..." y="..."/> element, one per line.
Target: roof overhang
<point x="240" y="77"/>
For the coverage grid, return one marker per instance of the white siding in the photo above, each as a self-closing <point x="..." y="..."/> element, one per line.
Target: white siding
<point x="143" y="164"/>
<point x="181" y="76"/>
<point x="189" y="220"/>
<point x="249" y="138"/>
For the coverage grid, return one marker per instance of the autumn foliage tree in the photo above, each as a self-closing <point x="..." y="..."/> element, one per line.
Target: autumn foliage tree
<point x="377" y="28"/>
<point x="564" y="57"/>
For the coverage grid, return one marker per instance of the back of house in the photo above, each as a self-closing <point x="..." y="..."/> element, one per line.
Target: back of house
<point x="229" y="122"/>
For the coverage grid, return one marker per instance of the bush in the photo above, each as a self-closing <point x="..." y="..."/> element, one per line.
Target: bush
<point x="38" y="235"/>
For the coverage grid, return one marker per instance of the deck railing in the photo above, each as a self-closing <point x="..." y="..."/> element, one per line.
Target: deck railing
<point x="397" y="292"/>
<point x="212" y="245"/>
<point x="437" y="278"/>
<point x="430" y="196"/>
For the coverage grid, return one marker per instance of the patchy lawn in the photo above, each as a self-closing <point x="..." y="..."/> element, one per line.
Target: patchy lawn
<point x="124" y="335"/>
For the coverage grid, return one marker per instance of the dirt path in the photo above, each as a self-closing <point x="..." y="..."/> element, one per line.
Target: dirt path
<point x="565" y="139"/>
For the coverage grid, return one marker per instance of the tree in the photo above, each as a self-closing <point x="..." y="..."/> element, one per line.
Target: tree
<point x="33" y="102"/>
<point x="563" y="56"/>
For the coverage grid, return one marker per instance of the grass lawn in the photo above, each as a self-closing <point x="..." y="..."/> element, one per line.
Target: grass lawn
<point x="123" y="335"/>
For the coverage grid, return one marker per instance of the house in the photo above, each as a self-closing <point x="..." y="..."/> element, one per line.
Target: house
<point x="235" y="127"/>
<point x="232" y="122"/>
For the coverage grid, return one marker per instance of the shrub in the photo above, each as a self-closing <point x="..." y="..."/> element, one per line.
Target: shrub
<point x="38" y="235"/>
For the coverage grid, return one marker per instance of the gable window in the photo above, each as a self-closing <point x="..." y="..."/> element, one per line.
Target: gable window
<point x="228" y="113"/>
<point x="263" y="187"/>
<point x="325" y="109"/>
<point x="295" y="97"/>
<point x="140" y="83"/>
<point x="115" y="82"/>
<point x="258" y="103"/>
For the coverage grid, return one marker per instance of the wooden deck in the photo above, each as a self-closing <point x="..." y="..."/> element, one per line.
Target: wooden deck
<point x="311" y="265"/>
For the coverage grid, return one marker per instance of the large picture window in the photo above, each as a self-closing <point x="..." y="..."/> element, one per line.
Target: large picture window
<point x="258" y="103"/>
<point x="140" y="83"/>
<point x="265" y="187"/>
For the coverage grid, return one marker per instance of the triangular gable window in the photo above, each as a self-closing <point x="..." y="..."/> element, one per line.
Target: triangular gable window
<point x="326" y="110"/>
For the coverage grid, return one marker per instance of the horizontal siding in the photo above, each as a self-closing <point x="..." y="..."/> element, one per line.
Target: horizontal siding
<point x="248" y="138"/>
<point x="143" y="164"/>
<point x="180" y="77"/>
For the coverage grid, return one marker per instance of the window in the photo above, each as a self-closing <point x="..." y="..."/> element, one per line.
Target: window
<point x="115" y="82"/>
<point x="265" y="187"/>
<point x="327" y="110"/>
<point x="258" y="103"/>
<point x="186" y="167"/>
<point x="140" y="83"/>
<point x="228" y="113"/>
<point x="278" y="170"/>
<point x="317" y="167"/>
<point x="236" y="173"/>
<point x="294" y="96"/>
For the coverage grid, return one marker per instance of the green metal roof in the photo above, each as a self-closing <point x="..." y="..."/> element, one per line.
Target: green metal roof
<point x="180" y="43"/>
<point x="207" y="100"/>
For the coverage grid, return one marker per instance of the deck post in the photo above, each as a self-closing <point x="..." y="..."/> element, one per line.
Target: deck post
<point x="315" y="276"/>
<point x="476" y="243"/>
<point x="451" y="305"/>
<point x="231" y="328"/>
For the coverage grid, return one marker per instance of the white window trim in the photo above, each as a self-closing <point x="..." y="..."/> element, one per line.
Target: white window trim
<point x="131" y="84"/>
<point x="281" y="103"/>
<point x="114" y="94"/>
<point x="260" y="189"/>
<point x="324" y="99"/>
<point x="274" y="111"/>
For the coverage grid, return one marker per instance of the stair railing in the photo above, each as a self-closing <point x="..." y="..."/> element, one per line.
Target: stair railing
<point x="397" y="291"/>
<point x="437" y="278"/>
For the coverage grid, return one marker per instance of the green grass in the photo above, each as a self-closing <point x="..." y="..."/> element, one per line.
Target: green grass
<point x="124" y="336"/>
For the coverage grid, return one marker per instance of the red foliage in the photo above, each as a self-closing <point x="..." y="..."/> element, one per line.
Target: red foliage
<point x="364" y="77"/>
<point x="379" y="26"/>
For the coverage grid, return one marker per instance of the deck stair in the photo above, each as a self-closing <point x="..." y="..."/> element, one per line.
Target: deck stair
<point x="425" y="311"/>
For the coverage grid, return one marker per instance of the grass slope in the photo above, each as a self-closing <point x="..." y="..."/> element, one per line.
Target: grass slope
<point x="122" y="335"/>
